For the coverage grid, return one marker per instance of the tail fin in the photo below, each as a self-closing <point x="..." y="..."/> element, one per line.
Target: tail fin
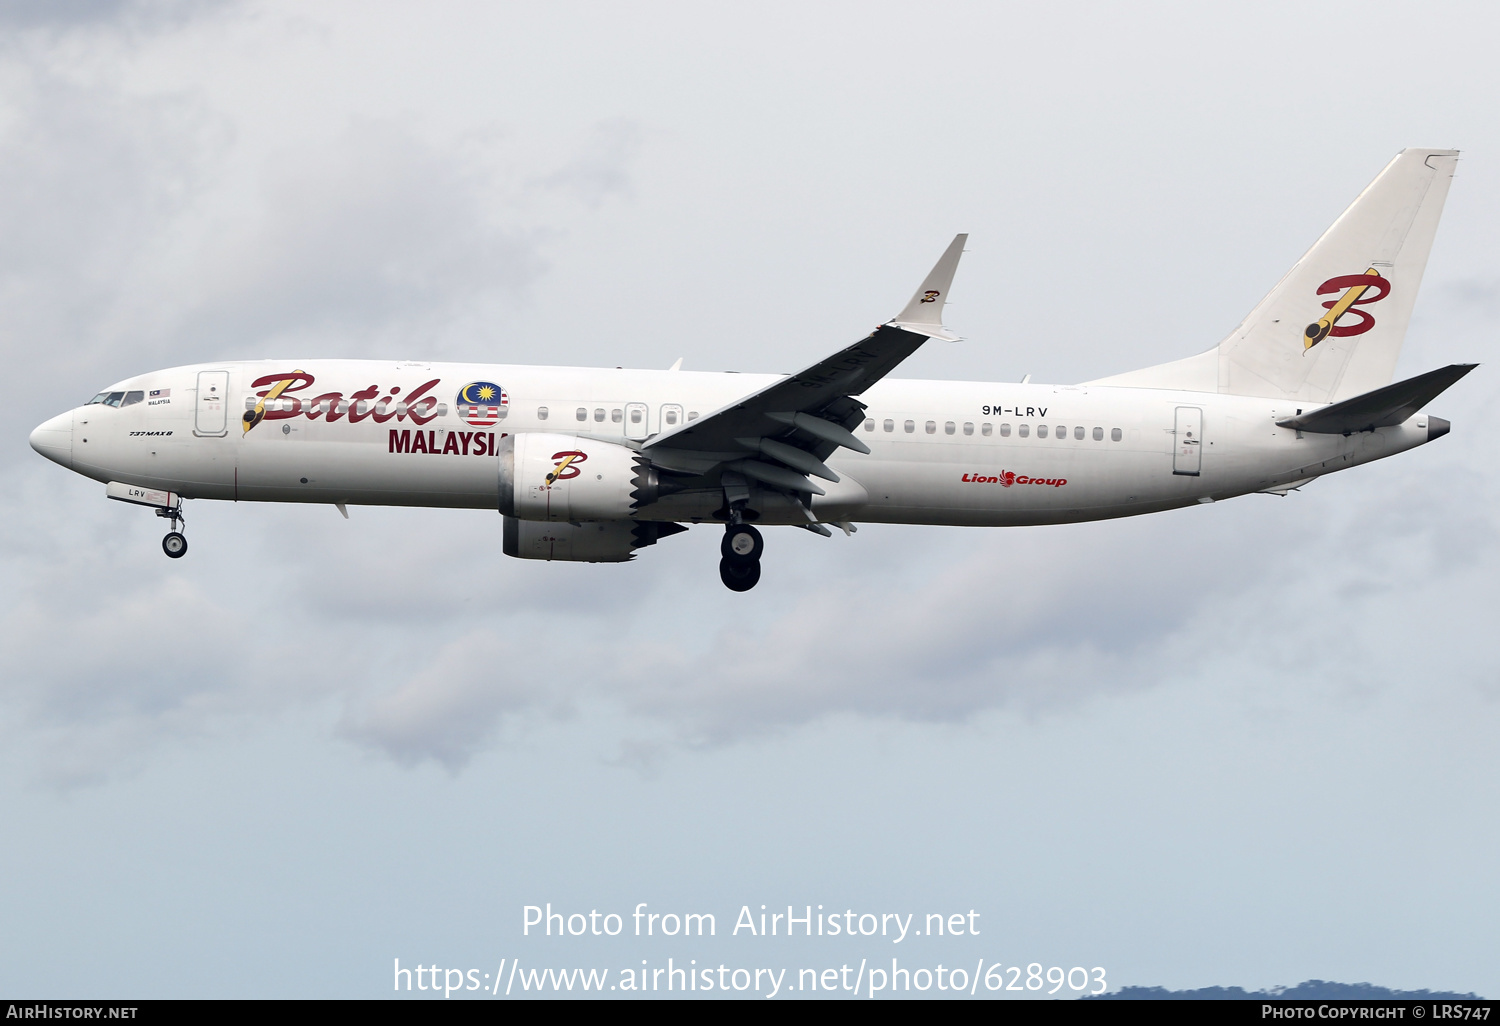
<point x="1333" y="327"/>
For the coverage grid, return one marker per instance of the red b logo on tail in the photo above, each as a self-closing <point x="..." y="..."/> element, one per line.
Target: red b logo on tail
<point x="1362" y="289"/>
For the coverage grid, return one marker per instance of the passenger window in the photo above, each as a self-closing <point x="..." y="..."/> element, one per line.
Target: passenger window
<point x="114" y="398"/>
<point x="599" y="416"/>
<point x="635" y="416"/>
<point x="932" y="427"/>
<point x="890" y="425"/>
<point x="1025" y="429"/>
<point x="869" y="425"/>
<point x="131" y="398"/>
<point x="583" y="413"/>
<point x="1078" y="433"/>
<point x="969" y="427"/>
<point x="1004" y="430"/>
<point x="1041" y="430"/>
<point x="949" y="428"/>
<point x="541" y="413"/>
<point x="616" y="416"/>
<point x="671" y="416"/>
<point x="1062" y="432"/>
<point x="1114" y="434"/>
<point x="911" y="426"/>
<point x="692" y="415"/>
<point x="1098" y="434"/>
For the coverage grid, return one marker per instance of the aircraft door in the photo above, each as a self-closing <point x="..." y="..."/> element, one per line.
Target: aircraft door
<point x="671" y="417"/>
<point x="213" y="403"/>
<point x="1187" y="451"/>
<point x="637" y="421"/>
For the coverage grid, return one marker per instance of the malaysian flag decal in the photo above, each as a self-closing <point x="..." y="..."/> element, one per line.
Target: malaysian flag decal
<point x="482" y="403"/>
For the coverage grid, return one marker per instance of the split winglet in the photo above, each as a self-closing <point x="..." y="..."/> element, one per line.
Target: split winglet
<point x="924" y="314"/>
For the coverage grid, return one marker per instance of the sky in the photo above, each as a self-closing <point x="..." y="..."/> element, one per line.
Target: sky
<point x="1246" y="744"/>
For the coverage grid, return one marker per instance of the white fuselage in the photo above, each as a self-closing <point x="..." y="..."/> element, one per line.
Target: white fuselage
<point x="942" y="452"/>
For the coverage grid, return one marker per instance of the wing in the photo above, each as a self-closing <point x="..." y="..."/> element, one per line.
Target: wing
<point x="782" y="433"/>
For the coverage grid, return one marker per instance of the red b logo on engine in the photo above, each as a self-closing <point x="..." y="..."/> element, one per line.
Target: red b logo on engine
<point x="567" y="465"/>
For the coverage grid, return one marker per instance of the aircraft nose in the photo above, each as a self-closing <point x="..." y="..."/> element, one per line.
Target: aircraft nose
<point x="54" y="439"/>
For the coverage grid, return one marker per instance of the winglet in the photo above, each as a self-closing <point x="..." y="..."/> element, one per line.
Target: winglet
<point x="924" y="314"/>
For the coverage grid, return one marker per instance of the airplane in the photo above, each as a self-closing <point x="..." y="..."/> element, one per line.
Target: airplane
<point x="596" y="464"/>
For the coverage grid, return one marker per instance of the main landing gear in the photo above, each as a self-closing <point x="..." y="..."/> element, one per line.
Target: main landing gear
<point x="174" y="544"/>
<point x="741" y="549"/>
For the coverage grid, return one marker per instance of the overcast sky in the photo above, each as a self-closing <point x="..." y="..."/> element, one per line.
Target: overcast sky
<point x="1247" y="744"/>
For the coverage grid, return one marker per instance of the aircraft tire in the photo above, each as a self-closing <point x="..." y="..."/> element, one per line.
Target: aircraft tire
<point x="742" y="544"/>
<point x="174" y="545"/>
<point x="739" y="576"/>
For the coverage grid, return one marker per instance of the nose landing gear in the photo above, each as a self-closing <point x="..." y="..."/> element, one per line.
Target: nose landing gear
<point x="174" y="544"/>
<point x="741" y="548"/>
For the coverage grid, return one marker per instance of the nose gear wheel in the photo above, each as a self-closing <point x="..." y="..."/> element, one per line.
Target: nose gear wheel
<point x="175" y="543"/>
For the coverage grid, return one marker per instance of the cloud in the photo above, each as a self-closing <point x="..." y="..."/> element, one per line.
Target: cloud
<point x="431" y="646"/>
<point x="1279" y="595"/>
<point x="145" y="226"/>
<point x="64" y="15"/>
<point x="452" y="708"/>
<point x="148" y="227"/>
<point x="148" y="219"/>
<point x="598" y="172"/>
<point x="74" y="240"/>
<point x="370" y="230"/>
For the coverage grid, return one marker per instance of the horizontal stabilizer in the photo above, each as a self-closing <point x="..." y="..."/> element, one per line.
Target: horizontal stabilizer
<point x="1384" y="407"/>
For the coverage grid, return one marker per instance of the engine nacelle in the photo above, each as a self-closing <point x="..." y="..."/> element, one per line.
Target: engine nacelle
<point x="566" y="478"/>
<point x="607" y="541"/>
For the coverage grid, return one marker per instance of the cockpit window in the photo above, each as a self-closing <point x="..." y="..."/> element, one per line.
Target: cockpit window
<point x="131" y="398"/>
<point x="114" y="399"/>
<point x="97" y="399"/>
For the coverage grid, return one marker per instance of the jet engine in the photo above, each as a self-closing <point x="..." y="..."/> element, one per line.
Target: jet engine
<point x="566" y="478"/>
<point x="606" y="541"/>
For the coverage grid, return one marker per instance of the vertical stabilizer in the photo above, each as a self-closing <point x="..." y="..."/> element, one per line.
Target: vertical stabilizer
<point x="1333" y="327"/>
